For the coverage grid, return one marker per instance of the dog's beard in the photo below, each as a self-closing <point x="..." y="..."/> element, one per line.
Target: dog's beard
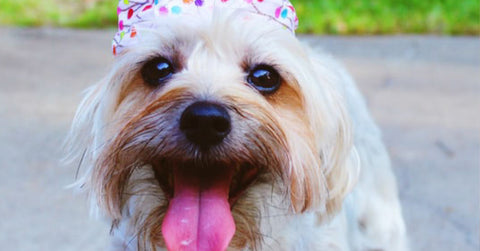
<point x="207" y="181"/>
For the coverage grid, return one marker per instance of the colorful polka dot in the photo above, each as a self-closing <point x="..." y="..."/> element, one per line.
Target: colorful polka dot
<point x="163" y="10"/>
<point x="147" y="7"/>
<point x="277" y="12"/>
<point x="176" y="9"/>
<point x="133" y="33"/>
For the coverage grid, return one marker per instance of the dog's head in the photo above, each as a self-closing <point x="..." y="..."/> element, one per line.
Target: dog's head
<point x="204" y="131"/>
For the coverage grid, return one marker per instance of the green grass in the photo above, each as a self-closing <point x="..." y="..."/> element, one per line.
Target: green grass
<point x="316" y="16"/>
<point x="62" y="13"/>
<point x="390" y="16"/>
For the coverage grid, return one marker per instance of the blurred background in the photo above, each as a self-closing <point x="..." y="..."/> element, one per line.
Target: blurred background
<point x="362" y="17"/>
<point x="417" y="63"/>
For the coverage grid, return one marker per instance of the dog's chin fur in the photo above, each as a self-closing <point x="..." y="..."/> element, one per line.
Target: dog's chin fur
<point x="299" y="140"/>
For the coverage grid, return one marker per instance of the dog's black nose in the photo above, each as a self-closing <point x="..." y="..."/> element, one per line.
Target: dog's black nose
<point x="205" y="124"/>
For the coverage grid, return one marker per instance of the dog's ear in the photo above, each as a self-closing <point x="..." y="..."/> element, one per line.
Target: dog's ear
<point x="330" y="170"/>
<point x="94" y="127"/>
<point x="80" y="141"/>
<point x="86" y="139"/>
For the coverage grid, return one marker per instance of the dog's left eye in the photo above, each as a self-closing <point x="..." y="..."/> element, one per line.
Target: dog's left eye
<point x="157" y="71"/>
<point x="264" y="78"/>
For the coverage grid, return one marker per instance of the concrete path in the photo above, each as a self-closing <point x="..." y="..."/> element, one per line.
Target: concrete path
<point x="423" y="91"/>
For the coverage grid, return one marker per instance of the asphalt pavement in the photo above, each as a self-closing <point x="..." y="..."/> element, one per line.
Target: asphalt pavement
<point x="422" y="90"/>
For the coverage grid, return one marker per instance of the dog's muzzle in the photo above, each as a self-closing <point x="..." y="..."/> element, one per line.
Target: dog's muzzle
<point x="199" y="214"/>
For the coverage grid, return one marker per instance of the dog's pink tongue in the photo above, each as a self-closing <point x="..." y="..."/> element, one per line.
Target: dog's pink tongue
<point x="199" y="216"/>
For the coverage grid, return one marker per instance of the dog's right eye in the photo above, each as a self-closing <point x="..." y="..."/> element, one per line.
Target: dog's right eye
<point x="156" y="71"/>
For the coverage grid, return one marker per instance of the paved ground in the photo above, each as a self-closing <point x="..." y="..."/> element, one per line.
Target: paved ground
<point x="423" y="91"/>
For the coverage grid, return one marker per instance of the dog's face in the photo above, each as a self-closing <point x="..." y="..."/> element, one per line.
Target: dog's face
<point x="205" y="132"/>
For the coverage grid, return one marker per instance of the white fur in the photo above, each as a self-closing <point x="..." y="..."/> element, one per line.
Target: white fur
<point x="370" y="216"/>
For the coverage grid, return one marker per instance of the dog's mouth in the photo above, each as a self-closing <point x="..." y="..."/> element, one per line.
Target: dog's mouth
<point x="243" y="176"/>
<point x="200" y="200"/>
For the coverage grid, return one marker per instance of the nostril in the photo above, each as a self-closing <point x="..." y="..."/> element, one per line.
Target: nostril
<point x="205" y="123"/>
<point x="221" y="125"/>
<point x="188" y="121"/>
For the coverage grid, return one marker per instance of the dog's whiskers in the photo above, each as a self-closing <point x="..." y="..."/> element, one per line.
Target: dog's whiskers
<point x="80" y="163"/>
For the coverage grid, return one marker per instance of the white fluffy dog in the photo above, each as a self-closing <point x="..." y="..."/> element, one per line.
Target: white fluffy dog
<point x="218" y="130"/>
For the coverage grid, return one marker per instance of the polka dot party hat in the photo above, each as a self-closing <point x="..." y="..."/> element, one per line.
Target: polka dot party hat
<point x="137" y="15"/>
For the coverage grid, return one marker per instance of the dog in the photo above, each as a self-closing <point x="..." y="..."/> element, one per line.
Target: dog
<point x="217" y="129"/>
